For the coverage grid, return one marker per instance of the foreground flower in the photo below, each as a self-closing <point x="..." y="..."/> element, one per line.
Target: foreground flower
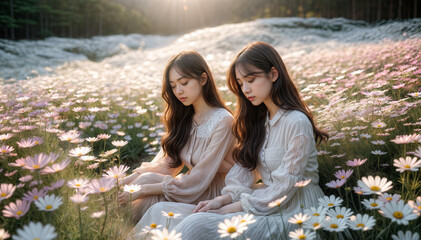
<point x="361" y="222"/>
<point x="79" y="151"/>
<point x="36" y="231"/>
<point x="101" y="185"/>
<point x="408" y="235"/>
<point x="336" y="183"/>
<point x="119" y="143"/>
<point x="313" y="223"/>
<point x="339" y="212"/>
<point x="342" y="174"/>
<point x="16" y="210"/>
<point x="116" y="172"/>
<point x="300" y="234"/>
<point x="372" y="203"/>
<point x="165" y="235"/>
<point x="407" y="164"/>
<point x="6" y="190"/>
<point x="3" y="234"/>
<point x="298" y="219"/>
<point x="374" y="185"/>
<point x="79" y="198"/>
<point x="404" y="139"/>
<point x="170" y="214"/>
<point x="399" y="212"/>
<point x="39" y="161"/>
<point x="416" y="205"/>
<point x="334" y="224"/>
<point x="49" y="203"/>
<point x="56" y="167"/>
<point x="331" y="201"/>
<point x="132" y="188"/>
<point x="34" y="195"/>
<point x="277" y="202"/>
<point x="232" y="228"/>
<point x="386" y="197"/>
<point x="247" y="218"/>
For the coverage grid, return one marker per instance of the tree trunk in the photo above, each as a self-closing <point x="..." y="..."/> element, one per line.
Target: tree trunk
<point x="400" y="9"/>
<point x="379" y="10"/>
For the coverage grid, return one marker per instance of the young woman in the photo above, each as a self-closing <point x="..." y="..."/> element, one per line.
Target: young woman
<point x="276" y="144"/>
<point x="198" y="136"/>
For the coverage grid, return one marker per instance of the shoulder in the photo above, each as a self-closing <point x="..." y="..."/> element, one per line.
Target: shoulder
<point x="220" y="120"/>
<point x="220" y="115"/>
<point x="297" y="120"/>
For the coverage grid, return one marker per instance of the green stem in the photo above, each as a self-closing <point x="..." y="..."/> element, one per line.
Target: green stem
<point x="390" y="224"/>
<point x="80" y="223"/>
<point x="106" y="213"/>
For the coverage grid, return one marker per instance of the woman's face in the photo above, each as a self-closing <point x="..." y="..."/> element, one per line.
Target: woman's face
<point x="255" y="84"/>
<point x="187" y="90"/>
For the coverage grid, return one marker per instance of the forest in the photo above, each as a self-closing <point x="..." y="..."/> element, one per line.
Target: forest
<point x="37" y="19"/>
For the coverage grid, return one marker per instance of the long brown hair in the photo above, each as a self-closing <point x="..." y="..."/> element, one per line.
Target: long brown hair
<point x="249" y="121"/>
<point x="178" y="118"/>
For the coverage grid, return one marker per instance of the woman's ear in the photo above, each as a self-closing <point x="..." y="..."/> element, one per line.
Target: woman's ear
<point x="203" y="79"/>
<point x="274" y="74"/>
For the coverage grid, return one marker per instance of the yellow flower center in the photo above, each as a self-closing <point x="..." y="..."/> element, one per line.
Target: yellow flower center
<point x="77" y="185"/>
<point x="171" y="214"/>
<point x="299" y="221"/>
<point x="36" y="142"/>
<point x="153" y="225"/>
<point x="3" y="194"/>
<point x="378" y="125"/>
<point x="3" y="151"/>
<point x="48" y="207"/>
<point x="302" y="237"/>
<point x="35" y="166"/>
<point x="231" y="230"/>
<point x="360" y="225"/>
<point x="398" y="215"/>
<point x="374" y="204"/>
<point x="340" y="216"/>
<point x="68" y="139"/>
<point x="102" y="189"/>
<point x="316" y="224"/>
<point x="115" y="176"/>
<point x="19" y="213"/>
<point x="37" y="239"/>
<point x="333" y="225"/>
<point x="419" y="207"/>
<point x="330" y="204"/>
<point x="316" y="214"/>
<point x="407" y="166"/>
<point x="243" y="221"/>
<point x="342" y="177"/>
<point x="131" y="190"/>
<point x="389" y="199"/>
<point x="35" y="197"/>
<point x="79" y="154"/>
<point x="375" y="188"/>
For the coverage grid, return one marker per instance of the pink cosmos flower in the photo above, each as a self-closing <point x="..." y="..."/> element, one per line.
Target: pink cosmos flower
<point x="407" y="164"/>
<point x="101" y="185"/>
<point x="6" y="191"/>
<point x="79" y="151"/>
<point x="56" y="167"/>
<point x="336" y="183"/>
<point x="5" y="136"/>
<point x="6" y="150"/>
<point x="56" y="185"/>
<point x="69" y="136"/>
<point x="342" y="174"/>
<point x="104" y="136"/>
<point x="39" y="161"/>
<point x="404" y="139"/>
<point x="16" y="210"/>
<point x="26" y="178"/>
<point x="34" y="194"/>
<point x="26" y="143"/>
<point x="116" y="172"/>
<point x="356" y="162"/>
<point x="18" y="163"/>
<point x="78" y="183"/>
<point x="79" y="198"/>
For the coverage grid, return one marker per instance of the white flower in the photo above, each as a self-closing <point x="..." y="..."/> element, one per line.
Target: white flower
<point x="313" y="212"/>
<point x="48" y="203"/>
<point x="165" y="235"/>
<point x="298" y="218"/>
<point x="331" y="201"/>
<point x="339" y="212"/>
<point x="116" y="172"/>
<point x="416" y="205"/>
<point x="374" y="185"/>
<point x="170" y="214"/>
<point x="36" y="231"/>
<point x="277" y="202"/>
<point x="399" y="212"/>
<point x="79" y="198"/>
<point x="407" y="164"/>
<point x="372" y="203"/>
<point x="97" y="214"/>
<point x="247" y="218"/>
<point x="132" y="188"/>
<point x="119" y="143"/>
<point x="232" y="228"/>
<point x="80" y="151"/>
<point x="361" y="222"/>
<point x="408" y="235"/>
<point x="334" y="224"/>
<point x="313" y="223"/>
<point x="300" y="234"/>
<point x="3" y="234"/>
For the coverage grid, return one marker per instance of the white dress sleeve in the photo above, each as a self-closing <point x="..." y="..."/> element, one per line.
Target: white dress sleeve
<point x="290" y="171"/>
<point x="238" y="180"/>
<point x="160" y="164"/>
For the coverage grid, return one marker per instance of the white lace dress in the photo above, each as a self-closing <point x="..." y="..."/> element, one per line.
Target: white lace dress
<point x="288" y="156"/>
<point x="208" y="156"/>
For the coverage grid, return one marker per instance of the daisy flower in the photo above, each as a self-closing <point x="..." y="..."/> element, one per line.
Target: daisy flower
<point x="119" y="143"/>
<point x="372" y="203"/>
<point x="101" y="185"/>
<point x="116" y="172"/>
<point x="356" y="162"/>
<point x="407" y="164"/>
<point x="151" y="227"/>
<point x="374" y="185"/>
<point x="408" y="235"/>
<point x="170" y="214"/>
<point x="79" y="198"/>
<point x="165" y="235"/>
<point x="79" y="151"/>
<point x="313" y="212"/>
<point x="416" y="205"/>
<point x="56" y="167"/>
<point x="336" y="183"/>
<point x="5" y="136"/>
<point x="404" y="139"/>
<point x="16" y="210"/>
<point x="39" y="161"/>
<point x="386" y="197"/>
<point x="331" y="201"/>
<point x="132" y="188"/>
<point x="378" y="124"/>
<point x="34" y="195"/>
<point x="56" y="185"/>
<point x="6" y="190"/>
<point x="361" y="222"/>
<point x="26" y="178"/>
<point x="48" y="203"/>
<point x="18" y="163"/>
<point x="378" y="152"/>
<point x="299" y="218"/>
<point x="92" y="139"/>
<point x="301" y="234"/>
<point x="88" y="158"/>
<point x="313" y="223"/>
<point x="69" y="136"/>
<point x="378" y="142"/>
<point x="247" y="218"/>
<point x="334" y="224"/>
<point x="399" y="212"/>
<point x="342" y="174"/>
<point x="5" y="150"/>
<point x="26" y="143"/>
<point x="36" y="231"/>
<point x="232" y="228"/>
<point x="97" y="214"/>
<point x="4" y="234"/>
<point x="277" y="202"/>
<point x="339" y="212"/>
<point x="108" y="153"/>
<point x="103" y="136"/>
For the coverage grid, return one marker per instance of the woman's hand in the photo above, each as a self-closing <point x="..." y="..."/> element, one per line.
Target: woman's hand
<point x="230" y="208"/>
<point x="215" y="203"/>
